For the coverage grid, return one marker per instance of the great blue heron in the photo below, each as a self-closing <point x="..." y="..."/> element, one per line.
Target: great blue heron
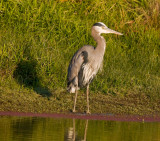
<point x="87" y="61"/>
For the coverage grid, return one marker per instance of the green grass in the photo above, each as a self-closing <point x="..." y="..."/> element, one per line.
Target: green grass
<point x="39" y="38"/>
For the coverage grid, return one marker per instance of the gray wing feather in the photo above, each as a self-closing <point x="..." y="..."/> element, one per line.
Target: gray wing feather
<point x="78" y="59"/>
<point x="75" y="66"/>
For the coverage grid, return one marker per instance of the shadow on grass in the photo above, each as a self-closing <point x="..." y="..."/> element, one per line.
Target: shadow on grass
<point x="26" y="74"/>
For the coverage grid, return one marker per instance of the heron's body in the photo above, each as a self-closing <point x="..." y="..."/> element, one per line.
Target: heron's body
<point x="87" y="61"/>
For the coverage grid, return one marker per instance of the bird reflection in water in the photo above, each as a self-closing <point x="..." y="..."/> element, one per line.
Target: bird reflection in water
<point x="72" y="134"/>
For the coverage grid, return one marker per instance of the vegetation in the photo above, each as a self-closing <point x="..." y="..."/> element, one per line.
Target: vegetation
<point x="39" y="37"/>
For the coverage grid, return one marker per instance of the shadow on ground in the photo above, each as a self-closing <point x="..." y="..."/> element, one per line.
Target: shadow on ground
<point x="26" y="75"/>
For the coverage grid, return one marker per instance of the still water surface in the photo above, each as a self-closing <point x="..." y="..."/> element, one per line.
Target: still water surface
<point x="54" y="129"/>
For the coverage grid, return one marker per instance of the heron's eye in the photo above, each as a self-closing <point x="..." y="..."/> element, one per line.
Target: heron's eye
<point x="103" y="27"/>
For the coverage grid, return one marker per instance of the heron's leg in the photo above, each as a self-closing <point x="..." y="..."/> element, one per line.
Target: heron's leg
<point x="88" y="112"/>
<point x="74" y="108"/>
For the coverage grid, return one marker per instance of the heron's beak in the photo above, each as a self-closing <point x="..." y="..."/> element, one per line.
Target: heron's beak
<point x="108" y="30"/>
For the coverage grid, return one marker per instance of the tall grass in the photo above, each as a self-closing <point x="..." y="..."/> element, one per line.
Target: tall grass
<point x="38" y="39"/>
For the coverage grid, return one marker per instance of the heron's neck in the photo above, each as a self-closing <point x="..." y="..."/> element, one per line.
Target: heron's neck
<point x="101" y="42"/>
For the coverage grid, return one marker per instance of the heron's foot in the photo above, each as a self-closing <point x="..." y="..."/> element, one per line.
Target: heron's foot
<point x="88" y="112"/>
<point x="73" y="110"/>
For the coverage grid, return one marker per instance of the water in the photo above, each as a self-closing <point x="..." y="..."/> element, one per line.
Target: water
<point x="54" y="129"/>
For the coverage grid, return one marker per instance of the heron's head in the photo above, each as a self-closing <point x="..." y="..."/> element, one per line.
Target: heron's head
<point x="102" y="28"/>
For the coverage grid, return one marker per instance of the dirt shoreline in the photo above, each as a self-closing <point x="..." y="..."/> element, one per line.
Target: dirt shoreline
<point x="61" y="102"/>
<point x="107" y="117"/>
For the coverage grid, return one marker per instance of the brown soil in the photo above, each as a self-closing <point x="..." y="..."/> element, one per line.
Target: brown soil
<point x="85" y="116"/>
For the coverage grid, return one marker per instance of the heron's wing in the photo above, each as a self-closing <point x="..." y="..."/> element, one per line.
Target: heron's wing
<point x="76" y="63"/>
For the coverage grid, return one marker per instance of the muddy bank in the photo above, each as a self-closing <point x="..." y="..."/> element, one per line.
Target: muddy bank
<point x="62" y="102"/>
<point x="85" y="116"/>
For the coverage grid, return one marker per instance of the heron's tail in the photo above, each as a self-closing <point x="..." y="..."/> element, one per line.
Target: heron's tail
<point x="71" y="86"/>
<point x="71" y="89"/>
